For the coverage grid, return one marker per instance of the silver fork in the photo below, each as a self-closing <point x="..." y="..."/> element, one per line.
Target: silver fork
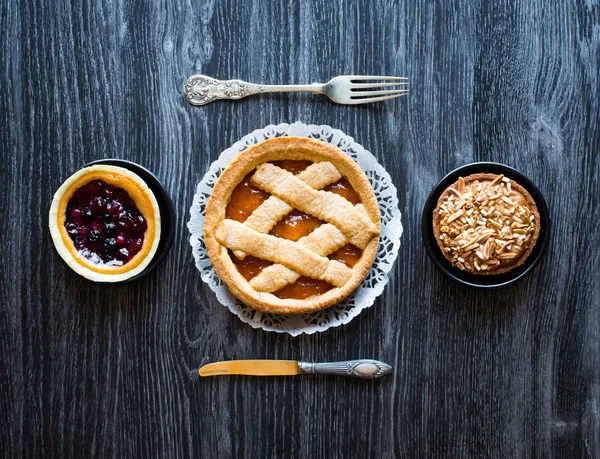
<point x="346" y="89"/>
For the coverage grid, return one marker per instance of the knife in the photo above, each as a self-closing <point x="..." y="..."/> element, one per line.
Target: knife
<point x="363" y="369"/>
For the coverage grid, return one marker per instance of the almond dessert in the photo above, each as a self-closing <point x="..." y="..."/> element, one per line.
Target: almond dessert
<point x="486" y="224"/>
<point x="292" y="225"/>
<point x="105" y="223"/>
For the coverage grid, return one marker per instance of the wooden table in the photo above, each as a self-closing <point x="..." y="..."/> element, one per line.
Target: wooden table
<point x="92" y="370"/>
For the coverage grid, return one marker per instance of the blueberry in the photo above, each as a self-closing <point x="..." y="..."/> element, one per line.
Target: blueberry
<point x="138" y="224"/>
<point x="98" y="205"/>
<point x="95" y="187"/>
<point x="137" y="246"/>
<point x="72" y="229"/>
<point x="114" y="207"/>
<point x="94" y="236"/>
<point x="87" y="214"/>
<point x="110" y="229"/>
<point x="110" y="245"/>
<point x="124" y="219"/>
<point x="76" y="213"/>
<point x="84" y="230"/>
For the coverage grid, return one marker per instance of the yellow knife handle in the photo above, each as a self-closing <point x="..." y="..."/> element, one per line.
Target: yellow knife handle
<point x="363" y="369"/>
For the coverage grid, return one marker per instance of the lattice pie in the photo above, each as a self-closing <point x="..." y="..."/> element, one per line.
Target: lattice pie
<point x="292" y="225"/>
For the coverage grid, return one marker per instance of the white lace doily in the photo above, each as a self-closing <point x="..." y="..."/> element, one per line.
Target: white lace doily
<point x="376" y="279"/>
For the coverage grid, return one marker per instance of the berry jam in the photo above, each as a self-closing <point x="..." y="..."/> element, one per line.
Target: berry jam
<point x="105" y="224"/>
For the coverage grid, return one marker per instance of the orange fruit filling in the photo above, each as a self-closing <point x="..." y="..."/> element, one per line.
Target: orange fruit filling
<point x="344" y="189"/>
<point x="304" y="287"/>
<point x="349" y="255"/>
<point x="244" y="200"/>
<point x="295" y="225"/>
<point x="249" y="266"/>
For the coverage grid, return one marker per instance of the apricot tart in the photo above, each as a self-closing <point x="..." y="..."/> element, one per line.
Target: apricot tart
<point x="486" y="224"/>
<point x="105" y="223"/>
<point x="292" y="225"/>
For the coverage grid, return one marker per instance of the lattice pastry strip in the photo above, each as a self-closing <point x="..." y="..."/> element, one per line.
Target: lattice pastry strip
<point x="266" y="216"/>
<point x="237" y="236"/>
<point x="330" y="207"/>
<point x="324" y="240"/>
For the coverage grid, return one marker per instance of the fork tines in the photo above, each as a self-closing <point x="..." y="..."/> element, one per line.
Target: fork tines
<point x="367" y="88"/>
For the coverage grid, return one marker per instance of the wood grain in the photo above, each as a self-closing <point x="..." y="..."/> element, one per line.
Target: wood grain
<point x="102" y="371"/>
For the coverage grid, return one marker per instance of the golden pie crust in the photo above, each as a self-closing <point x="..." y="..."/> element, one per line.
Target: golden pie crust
<point x="143" y="198"/>
<point x="344" y="223"/>
<point x="486" y="224"/>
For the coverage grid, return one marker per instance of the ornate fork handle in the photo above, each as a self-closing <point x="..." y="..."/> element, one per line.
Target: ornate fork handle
<point x="202" y="89"/>
<point x="364" y="369"/>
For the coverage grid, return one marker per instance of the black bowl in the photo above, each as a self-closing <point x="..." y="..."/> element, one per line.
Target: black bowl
<point x="490" y="281"/>
<point x="165" y="205"/>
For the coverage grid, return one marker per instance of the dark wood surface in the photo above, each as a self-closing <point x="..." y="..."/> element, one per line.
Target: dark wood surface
<point x="100" y="371"/>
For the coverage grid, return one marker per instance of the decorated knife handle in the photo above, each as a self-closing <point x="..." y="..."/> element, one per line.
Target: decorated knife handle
<point x="363" y="369"/>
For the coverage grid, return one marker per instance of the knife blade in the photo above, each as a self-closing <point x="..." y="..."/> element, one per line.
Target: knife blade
<point x="251" y="367"/>
<point x="364" y="368"/>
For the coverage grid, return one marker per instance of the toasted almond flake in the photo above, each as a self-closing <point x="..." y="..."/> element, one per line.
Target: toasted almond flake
<point x="455" y="192"/>
<point x="471" y="247"/>
<point x="469" y="243"/>
<point x="507" y="200"/>
<point x="509" y="186"/>
<point x="495" y="223"/>
<point x="507" y="256"/>
<point x="496" y="180"/>
<point x="484" y="237"/>
<point x="505" y="179"/>
<point x="494" y="197"/>
<point x="455" y="215"/>
<point x="460" y="259"/>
